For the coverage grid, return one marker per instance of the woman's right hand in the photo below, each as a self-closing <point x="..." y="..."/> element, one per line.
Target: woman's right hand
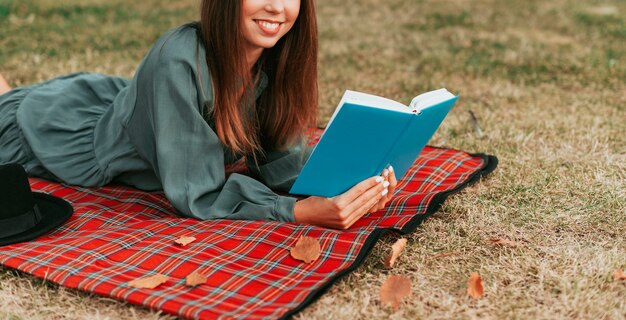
<point x="342" y="211"/>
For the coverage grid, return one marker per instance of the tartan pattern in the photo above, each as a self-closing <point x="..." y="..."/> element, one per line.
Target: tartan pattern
<point x="118" y="234"/>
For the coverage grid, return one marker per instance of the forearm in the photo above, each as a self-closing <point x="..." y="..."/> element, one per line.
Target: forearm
<point x="239" y="198"/>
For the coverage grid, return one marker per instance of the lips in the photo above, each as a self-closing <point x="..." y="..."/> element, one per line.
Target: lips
<point x="268" y="27"/>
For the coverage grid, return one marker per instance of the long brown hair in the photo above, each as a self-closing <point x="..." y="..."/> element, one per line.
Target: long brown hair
<point x="287" y="107"/>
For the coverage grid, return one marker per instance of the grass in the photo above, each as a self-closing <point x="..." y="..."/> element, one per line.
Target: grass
<point x="546" y="79"/>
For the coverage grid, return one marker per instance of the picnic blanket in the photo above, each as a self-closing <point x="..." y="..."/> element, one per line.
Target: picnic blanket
<point x="118" y="234"/>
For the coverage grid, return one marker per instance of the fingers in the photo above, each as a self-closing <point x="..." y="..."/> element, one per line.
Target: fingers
<point x="393" y="182"/>
<point x="389" y="176"/>
<point x="365" y="201"/>
<point x="360" y="212"/>
<point x="365" y="197"/>
<point x="383" y="200"/>
<point x="368" y="196"/>
<point x="358" y="190"/>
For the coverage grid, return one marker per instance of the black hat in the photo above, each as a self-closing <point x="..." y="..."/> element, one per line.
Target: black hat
<point x="25" y="215"/>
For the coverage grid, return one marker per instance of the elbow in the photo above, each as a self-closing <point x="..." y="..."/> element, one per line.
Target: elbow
<point x="180" y="200"/>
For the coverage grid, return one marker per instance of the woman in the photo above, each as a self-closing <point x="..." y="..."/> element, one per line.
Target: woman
<point x="241" y="82"/>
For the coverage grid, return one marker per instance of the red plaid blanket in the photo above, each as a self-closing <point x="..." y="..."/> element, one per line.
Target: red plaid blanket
<point x="118" y="234"/>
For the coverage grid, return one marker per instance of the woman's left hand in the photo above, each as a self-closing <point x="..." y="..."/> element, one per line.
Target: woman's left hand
<point x="389" y="176"/>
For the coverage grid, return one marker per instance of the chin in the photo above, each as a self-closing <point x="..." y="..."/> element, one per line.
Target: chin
<point x="266" y="44"/>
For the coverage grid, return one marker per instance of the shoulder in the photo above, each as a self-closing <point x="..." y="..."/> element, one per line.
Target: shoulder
<point x="177" y="45"/>
<point x="177" y="57"/>
<point x="175" y="68"/>
<point x="177" y="63"/>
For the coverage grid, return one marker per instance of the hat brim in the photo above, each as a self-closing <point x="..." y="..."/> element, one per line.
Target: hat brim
<point x="54" y="212"/>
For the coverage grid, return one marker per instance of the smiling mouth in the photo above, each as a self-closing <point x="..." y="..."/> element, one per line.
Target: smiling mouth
<point x="269" y="27"/>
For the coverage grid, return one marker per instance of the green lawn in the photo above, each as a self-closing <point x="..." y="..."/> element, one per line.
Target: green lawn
<point x="545" y="79"/>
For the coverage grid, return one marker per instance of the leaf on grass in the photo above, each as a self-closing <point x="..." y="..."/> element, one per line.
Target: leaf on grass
<point x="195" y="279"/>
<point x="149" y="282"/>
<point x="307" y="249"/>
<point x="475" y="286"/>
<point x="396" y="249"/>
<point x="394" y="290"/>
<point x="619" y="275"/>
<point x="504" y="242"/>
<point x="183" y="241"/>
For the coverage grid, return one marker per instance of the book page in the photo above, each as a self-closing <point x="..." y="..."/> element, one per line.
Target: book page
<point x="343" y="99"/>
<point x="367" y="100"/>
<point x="370" y="100"/>
<point x="430" y="98"/>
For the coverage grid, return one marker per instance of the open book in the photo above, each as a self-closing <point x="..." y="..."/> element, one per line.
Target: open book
<point x="365" y="135"/>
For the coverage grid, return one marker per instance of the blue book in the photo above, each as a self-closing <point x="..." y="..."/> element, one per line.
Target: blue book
<point x="365" y="135"/>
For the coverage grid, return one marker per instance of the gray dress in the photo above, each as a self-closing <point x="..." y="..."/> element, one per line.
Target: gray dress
<point x="149" y="132"/>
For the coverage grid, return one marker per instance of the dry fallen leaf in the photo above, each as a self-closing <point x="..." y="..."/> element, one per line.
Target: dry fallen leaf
<point x="307" y="249"/>
<point x="619" y="275"/>
<point x="396" y="249"/>
<point x="149" y="282"/>
<point x="475" y="286"/>
<point x="504" y="242"/>
<point x="195" y="279"/>
<point x="183" y="241"/>
<point x="394" y="290"/>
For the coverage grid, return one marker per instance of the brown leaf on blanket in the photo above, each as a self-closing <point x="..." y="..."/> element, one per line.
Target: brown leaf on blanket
<point x="394" y="290"/>
<point x="149" y="282"/>
<point x="475" y="286"/>
<point x="195" y="279"/>
<point x="396" y="249"/>
<point x="307" y="249"/>
<point x="183" y="241"/>
<point x="504" y="242"/>
<point x="619" y="275"/>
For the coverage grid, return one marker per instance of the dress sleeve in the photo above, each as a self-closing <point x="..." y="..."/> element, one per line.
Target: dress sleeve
<point x="279" y="169"/>
<point x="187" y="155"/>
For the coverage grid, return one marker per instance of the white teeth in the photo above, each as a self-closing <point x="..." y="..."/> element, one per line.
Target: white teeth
<point x="268" y="25"/>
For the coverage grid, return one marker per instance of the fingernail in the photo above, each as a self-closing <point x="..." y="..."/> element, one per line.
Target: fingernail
<point x="390" y="169"/>
<point x="385" y="172"/>
<point x="386" y="184"/>
<point x="385" y="192"/>
<point x="379" y="179"/>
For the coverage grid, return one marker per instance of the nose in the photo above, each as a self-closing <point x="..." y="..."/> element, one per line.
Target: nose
<point x="276" y="6"/>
